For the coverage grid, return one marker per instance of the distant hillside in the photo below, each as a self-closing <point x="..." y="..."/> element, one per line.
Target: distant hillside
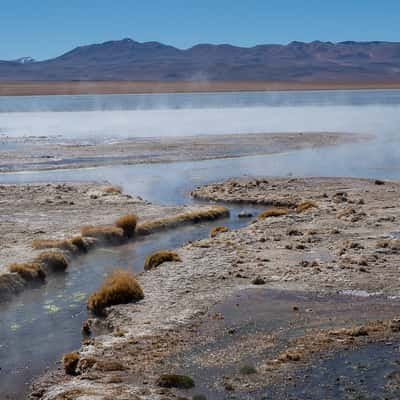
<point x="130" y="60"/>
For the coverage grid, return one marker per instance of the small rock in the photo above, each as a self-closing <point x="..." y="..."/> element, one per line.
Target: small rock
<point x="258" y="281"/>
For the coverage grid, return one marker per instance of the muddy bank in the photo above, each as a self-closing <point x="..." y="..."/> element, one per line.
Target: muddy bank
<point x="35" y="153"/>
<point x="324" y="277"/>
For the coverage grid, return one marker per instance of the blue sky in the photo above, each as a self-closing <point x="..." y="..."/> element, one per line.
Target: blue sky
<point x="46" y="28"/>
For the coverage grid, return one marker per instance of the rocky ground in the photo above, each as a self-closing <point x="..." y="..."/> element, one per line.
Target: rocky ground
<point x="247" y="313"/>
<point x="42" y="153"/>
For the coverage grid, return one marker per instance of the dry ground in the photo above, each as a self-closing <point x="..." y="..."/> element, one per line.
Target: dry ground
<point x="44" y="154"/>
<point x="125" y="87"/>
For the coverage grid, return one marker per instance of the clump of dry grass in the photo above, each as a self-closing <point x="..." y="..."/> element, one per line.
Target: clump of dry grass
<point x="120" y="287"/>
<point x="273" y="212"/>
<point x="128" y="224"/>
<point x="218" y="229"/>
<point x="204" y="214"/>
<point x="79" y="243"/>
<point x="112" y="190"/>
<point x="175" y="381"/>
<point x="28" y="271"/>
<point x="105" y="234"/>
<point x="109" y="365"/>
<point x="62" y="244"/>
<point x="52" y="260"/>
<point x="290" y="355"/>
<point x="76" y="244"/>
<point x="305" y="205"/>
<point x="158" y="257"/>
<point x="70" y="362"/>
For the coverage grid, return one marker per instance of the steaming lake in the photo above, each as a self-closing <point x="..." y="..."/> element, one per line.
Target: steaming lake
<point x="119" y="116"/>
<point x="41" y="324"/>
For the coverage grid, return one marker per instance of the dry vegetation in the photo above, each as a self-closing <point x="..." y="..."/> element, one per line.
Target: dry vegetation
<point x="120" y="287"/>
<point x="158" y="257"/>
<point x="70" y="362"/>
<point x="54" y="261"/>
<point x="112" y="190"/>
<point x="28" y="271"/>
<point x="175" y="381"/>
<point x="128" y="224"/>
<point x="218" y="229"/>
<point x="273" y="212"/>
<point x="204" y="214"/>
<point x="106" y="234"/>
<point x="305" y="205"/>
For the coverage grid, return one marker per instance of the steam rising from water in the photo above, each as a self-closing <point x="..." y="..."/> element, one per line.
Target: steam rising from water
<point x="186" y="122"/>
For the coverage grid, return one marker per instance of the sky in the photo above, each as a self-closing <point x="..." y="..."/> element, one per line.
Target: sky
<point x="47" y="28"/>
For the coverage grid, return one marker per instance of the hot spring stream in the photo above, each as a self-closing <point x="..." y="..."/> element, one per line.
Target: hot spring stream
<point x="39" y="325"/>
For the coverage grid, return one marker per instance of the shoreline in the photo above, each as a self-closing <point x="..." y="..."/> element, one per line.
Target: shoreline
<point x="41" y="155"/>
<point x="200" y="306"/>
<point x="48" y="88"/>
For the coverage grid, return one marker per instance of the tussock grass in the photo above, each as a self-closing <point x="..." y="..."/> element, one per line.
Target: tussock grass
<point x="158" y="257"/>
<point x="70" y="362"/>
<point x="305" y="205"/>
<point x="128" y="224"/>
<point x="80" y="243"/>
<point x="218" y="229"/>
<point x="204" y="214"/>
<point x="120" y="287"/>
<point x="112" y="190"/>
<point x="63" y="244"/>
<point x="175" y="381"/>
<point x="52" y="260"/>
<point x="273" y="212"/>
<point x="105" y="234"/>
<point x="109" y="365"/>
<point x="28" y="271"/>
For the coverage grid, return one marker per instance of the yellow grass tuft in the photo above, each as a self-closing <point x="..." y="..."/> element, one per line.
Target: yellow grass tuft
<point x="79" y="243"/>
<point x="204" y="214"/>
<point x="273" y="212"/>
<point x="128" y="224"/>
<point x="28" y="271"/>
<point x="70" y="362"/>
<point x="105" y="234"/>
<point x="158" y="257"/>
<point x="63" y="244"/>
<point x="305" y="205"/>
<point x="52" y="260"/>
<point x="218" y="229"/>
<point x="120" y="287"/>
<point x="112" y="190"/>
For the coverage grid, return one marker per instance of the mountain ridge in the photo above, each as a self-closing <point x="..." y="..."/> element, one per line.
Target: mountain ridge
<point x="128" y="59"/>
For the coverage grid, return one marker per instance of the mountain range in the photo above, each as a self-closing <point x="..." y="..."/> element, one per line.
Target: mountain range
<point x="297" y="61"/>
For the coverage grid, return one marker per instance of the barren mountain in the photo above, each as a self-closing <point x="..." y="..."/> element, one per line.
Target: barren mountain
<point x="130" y="60"/>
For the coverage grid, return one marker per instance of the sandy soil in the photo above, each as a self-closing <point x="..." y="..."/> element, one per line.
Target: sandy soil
<point x="122" y="87"/>
<point x="322" y="276"/>
<point x="43" y="153"/>
<point x="57" y="211"/>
